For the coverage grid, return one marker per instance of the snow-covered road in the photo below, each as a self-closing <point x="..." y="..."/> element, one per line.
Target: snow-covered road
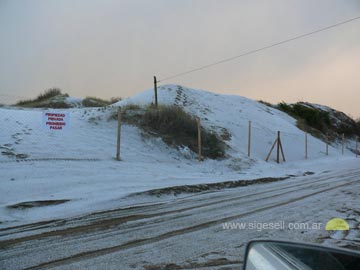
<point x="189" y="232"/>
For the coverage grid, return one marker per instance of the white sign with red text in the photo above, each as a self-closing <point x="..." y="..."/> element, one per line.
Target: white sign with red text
<point x="56" y="121"/>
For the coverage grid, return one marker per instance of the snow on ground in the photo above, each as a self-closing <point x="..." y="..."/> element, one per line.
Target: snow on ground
<point x="233" y="113"/>
<point x="192" y="232"/>
<point x="96" y="181"/>
<point x="74" y="101"/>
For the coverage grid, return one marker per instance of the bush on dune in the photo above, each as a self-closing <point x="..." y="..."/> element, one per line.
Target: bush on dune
<point x="311" y="117"/>
<point x="177" y="127"/>
<point x="95" y="102"/>
<point x="52" y="97"/>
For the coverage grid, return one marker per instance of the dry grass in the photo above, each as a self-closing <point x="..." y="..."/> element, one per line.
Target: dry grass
<point x="95" y="102"/>
<point x="175" y="126"/>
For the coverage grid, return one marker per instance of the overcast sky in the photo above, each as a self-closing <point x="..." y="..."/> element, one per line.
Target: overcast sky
<point x="111" y="48"/>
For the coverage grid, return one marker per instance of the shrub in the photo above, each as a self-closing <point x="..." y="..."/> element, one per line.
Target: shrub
<point x="47" y="95"/>
<point x="177" y="127"/>
<point x="314" y="118"/>
<point x="265" y="103"/>
<point x="55" y="105"/>
<point x="174" y="126"/>
<point x="95" y="102"/>
<point x="212" y="147"/>
<point x="302" y="124"/>
<point x="169" y="119"/>
<point x="349" y="130"/>
<point x="131" y="107"/>
<point x="285" y="107"/>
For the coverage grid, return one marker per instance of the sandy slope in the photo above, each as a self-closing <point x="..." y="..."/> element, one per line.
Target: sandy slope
<point x="78" y="165"/>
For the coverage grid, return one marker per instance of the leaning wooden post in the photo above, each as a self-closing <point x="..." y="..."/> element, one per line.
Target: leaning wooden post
<point x="118" y="135"/>
<point x="199" y="138"/>
<point x="343" y="144"/>
<point x="249" y="140"/>
<point x="155" y="89"/>
<point x="272" y="148"/>
<point x="306" y="145"/>
<point x="278" y="148"/>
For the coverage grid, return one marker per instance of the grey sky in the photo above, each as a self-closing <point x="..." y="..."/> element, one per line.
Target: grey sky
<point x="114" y="47"/>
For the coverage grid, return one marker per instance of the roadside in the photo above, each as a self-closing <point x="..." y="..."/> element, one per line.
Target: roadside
<point x="188" y="233"/>
<point x="86" y="188"/>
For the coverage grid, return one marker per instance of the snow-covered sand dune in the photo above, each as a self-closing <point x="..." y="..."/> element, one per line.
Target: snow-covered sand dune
<point x="233" y="113"/>
<point x="96" y="181"/>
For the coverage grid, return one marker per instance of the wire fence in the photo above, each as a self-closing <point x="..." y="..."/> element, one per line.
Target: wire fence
<point x="91" y="136"/>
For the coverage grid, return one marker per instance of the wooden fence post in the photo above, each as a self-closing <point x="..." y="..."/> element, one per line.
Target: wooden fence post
<point x="306" y="145"/>
<point x="249" y="140"/>
<point x="279" y="147"/>
<point x="327" y="145"/>
<point x="155" y="89"/>
<point x="272" y="148"/>
<point x="118" y="135"/>
<point x="199" y="138"/>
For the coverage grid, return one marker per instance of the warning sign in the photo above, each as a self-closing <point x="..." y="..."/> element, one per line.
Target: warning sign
<point x="56" y="121"/>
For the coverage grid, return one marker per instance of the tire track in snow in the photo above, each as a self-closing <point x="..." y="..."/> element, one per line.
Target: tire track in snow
<point x="140" y="242"/>
<point x="125" y="215"/>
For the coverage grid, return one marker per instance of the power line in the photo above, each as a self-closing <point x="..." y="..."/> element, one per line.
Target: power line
<point x="260" y="49"/>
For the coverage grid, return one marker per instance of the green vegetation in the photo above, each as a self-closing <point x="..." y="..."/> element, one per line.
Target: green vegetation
<point x="177" y="127"/>
<point x="322" y="123"/>
<point x="350" y="129"/>
<point x="99" y="102"/>
<point x="54" y="98"/>
<point x="95" y="102"/>
<point x="174" y="126"/>
<point x="307" y="117"/>
<point x="51" y="98"/>
<point x="131" y="107"/>
<point x="130" y="113"/>
<point x="266" y="103"/>
<point x="50" y="93"/>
